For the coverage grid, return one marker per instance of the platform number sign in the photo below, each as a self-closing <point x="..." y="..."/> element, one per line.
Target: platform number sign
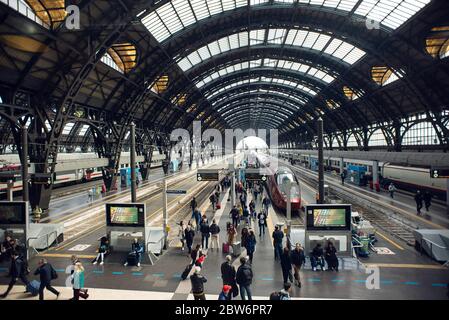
<point x="439" y="173"/>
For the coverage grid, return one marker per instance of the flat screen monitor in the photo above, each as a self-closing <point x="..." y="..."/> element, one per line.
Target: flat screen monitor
<point x="12" y="213"/>
<point x="329" y="217"/>
<point x="125" y="214"/>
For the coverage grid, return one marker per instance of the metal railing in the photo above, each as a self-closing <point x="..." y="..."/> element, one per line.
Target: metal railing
<point x="47" y="235"/>
<point x="432" y="244"/>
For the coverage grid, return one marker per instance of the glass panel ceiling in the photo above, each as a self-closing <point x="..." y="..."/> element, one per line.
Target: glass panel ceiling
<point x="266" y="63"/>
<point x="236" y="105"/>
<point x="179" y="14"/>
<point x="293" y="37"/>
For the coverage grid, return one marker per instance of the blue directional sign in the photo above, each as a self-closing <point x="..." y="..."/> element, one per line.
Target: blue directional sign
<point x="176" y="191"/>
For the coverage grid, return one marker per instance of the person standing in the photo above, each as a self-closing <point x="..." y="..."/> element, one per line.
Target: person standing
<point x="232" y="232"/>
<point x="262" y="219"/>
<point x="343" y="177"/>
<point x="17" y="271"/>
<point x="266" y="203"/>
<point x="391" y="190"/>
<point x="251" y="245"/>
<point x="181" y="234"/>
<point x="330" y="256"/>
<point x="298" y="259"/>
<point x="427" y="197"/>
<point x="213" y="200"/>
<point x="205" y="234"/>
<point x="418" y="200"/>
<point x="228" y="276"/>
<point x="78" y="282"/>
<point x="235" y="216"/>
<point x="193" y="205"/>
<point x="244" y="278"/>
<point x="278" y="235"/>
<point x="198" y="281"/>
<point x="46" y="274"/>
<point x="189" y="235"/>
<point x="286" y="265"/>
<point x="215" y="233"/>
<point x="197" y="216"/>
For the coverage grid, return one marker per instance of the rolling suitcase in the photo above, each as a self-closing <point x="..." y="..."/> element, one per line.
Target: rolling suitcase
<point x="225" y="247"/>
<point x="236" y="249"/>
<point x="186" y="272"/>
<point x="218" y="205"/>
<point x="33" y="287"/>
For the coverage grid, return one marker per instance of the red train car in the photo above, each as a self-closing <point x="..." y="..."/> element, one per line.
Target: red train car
<point x="277" y="185"/>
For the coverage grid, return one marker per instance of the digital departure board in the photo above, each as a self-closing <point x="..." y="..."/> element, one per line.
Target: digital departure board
<point x="208" y="176"/>
<point x="125" y="214"/>
<point x="254" y="175"/>
<point x="328" y="217"/>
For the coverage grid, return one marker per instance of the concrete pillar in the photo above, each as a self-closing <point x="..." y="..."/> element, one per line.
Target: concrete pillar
<point x="375" y="174"/>
<point x="9" y="192"/>
<point x="164" y="212"/>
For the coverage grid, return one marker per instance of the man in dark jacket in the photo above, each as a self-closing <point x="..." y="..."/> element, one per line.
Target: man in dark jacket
<point x="228" y="276"/>
<point x="205" y="234"/>
<point x="198" y="281"/>
<point x="215" y="232"/>
<point x="189" y="235"/>
<point x="235" y="216"/>
<point x="286" y="265"/>
<point x="213" y="200"/>
<point x="244" y="278"/>
<point x="193" y="205"/>
<point x="317" y="257"/>
<point x="17" y="271"/>
<point x="278" y="235"/>
<point x="46" y="274"/>
<point x="427" y="197"/>
<point x="298" y="259"/>
<point x="418" y="200"/>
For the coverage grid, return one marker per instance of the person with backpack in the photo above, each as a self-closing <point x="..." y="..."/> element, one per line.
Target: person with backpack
<point x="391" y="190"/>
<point x="205" y="234"/>
<point x="228" y="274"/>
<point x="215" y="233"/>
<point x="189" y="235"/>
<point x="278" y="235"/>
<point x="46" y="274"/>
<point x="298" y="259"/>
<point x="102" y="250"/>
<point x="262" y="219"/>
<point x="213" y="200"/>
<point x="284" y="294"/>
<point x="244" y="278"/>
<point x="235" y="216"/>
<point x="78" y="282"/>
<point x="17" y="271"/>
<point x="197" y="280"/>
<point x="286" y="265"/>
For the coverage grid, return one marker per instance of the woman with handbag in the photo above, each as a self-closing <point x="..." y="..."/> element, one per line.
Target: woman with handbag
<point x="78" y="282"/>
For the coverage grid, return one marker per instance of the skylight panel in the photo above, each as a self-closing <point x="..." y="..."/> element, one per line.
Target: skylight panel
<point x="321" y="42"/>
<point x="182" y="7"/>
<point x="214" y="48"/>
<point x="257" y="37"/>
<point x="185" y="64"/>
<point x="224" y="44"/>
<point x="243" y="39"/>
<point x="204" y="53"/>
<point x="228" y="5"/>
<point x="83" y="130"/>
<point x="330" y="49"/>
<point x="343" y="50"/>
<point x="168" y="15"/>
<point x="276" y="36"/>
<point x="234" y="41"/>
<point x="214" y="6"/>
<point x="354" y="55"/>
<point x="68" y="127"/>
<point x="310" y="39"/>
<point x="200" y="9"/>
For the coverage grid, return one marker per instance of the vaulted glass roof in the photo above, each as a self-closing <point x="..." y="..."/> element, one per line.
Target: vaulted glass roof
<point x="266" y="63"/>
<point x="177" y="15"/>
<point x="322" y="43"/>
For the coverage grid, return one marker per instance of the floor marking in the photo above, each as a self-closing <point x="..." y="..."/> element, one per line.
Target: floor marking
<point x="266" y="279"/>
<point x="412" y="283"/>
<point x="314" y="280"/>
<point x="60" y="270"/>
<point x="137" y="274"/>
<point x="160" y="275"/>
<point x="117" y="273"/>
<point x="406" y="266"/>
<point x="62" y="255"/>
<point x="440" y="285"/>
<point x="386" y="282"/>
<point x="80" y="247"/>
<point x="338" y="280"/>
<point x="389" y="240"/>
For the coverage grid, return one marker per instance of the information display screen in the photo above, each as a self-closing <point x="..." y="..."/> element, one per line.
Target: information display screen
<point x="125" y="214"/>
<point x="12" y="213"/>
<point x="329" y="217"/>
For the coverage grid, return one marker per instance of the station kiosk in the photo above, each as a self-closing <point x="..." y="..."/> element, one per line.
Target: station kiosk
<point x="329" y="222"/>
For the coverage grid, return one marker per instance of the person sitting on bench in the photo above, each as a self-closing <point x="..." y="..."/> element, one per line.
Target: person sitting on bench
<point x="135" y="254"/>
<point x="317" y="257"/>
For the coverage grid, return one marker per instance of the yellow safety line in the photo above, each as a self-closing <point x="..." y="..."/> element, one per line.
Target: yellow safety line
<point x="405" y="265"/>
<point x="389" y="240"/>
<point x="60" y="255"/>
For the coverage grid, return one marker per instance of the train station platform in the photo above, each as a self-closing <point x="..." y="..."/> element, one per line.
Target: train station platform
<point x="404" y="273"/>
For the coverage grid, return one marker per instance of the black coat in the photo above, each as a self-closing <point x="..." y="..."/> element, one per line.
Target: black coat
<point x="204" y="228"/>
<point x="17" y="268"/>
<point x="298" y="257"/>
<point x="189" y="235"/>
<point x="331" y="254"/>
<point x="244" y="276"/>
<point x="228" y="273"/>
<point x="278" y="236"/>
<point x="197" y="283"/>
<point x="214" y="229"/>
<point x="44" y="273"/>
<point x="317" y="252"/>
<point x="286" y="261"/>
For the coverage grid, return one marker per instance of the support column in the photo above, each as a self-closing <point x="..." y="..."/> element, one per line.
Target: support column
<point x="289" y="208"/>
<point x="10" y="189"/>
<point x="165" y="213"/>
<point x="320" y="162"/>
<point x="375" y="174"/>
<point x="25" y="189"/>
<point x="447" y="196"/>
<point x="133" y="163"/>
<point x="233" y="186"/>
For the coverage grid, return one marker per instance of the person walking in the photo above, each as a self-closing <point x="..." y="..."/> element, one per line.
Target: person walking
<point x="343" y="177"/>
<point x="215" y="235"/>
<point x="419" y="201"/>
<point x="298" y="259"/>
<point x="251" y="245"/>
<point x="286" y="265"/>
<point x="181" y="234"/>
<point x="193" y="205"/>
<point x="235" y="216"/>
<point x="330" y="255"/>
<point x="391" y="190"/>
<point x="46" y="274"/>
<point x="266" y="204"/>
<point x="427" y="197"/>
<point x="244" y="278"/>
<point x="278" y="235"/>
<point x="17" y="271"/>
<point x="78" y="282"/>
<point x="228" y="274"/>
<point x="198" y="281"/>
<point x="205" y="234"/>
<point x="262" y="219"/>
<point x="189" y="234"/>
<point x="197" y="217"/>
<point x="213" y="200"/>
<point x="195" y="253"/>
